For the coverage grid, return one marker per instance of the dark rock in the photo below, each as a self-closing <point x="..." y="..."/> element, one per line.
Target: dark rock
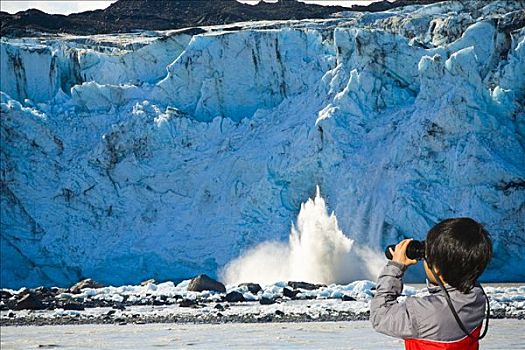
<point x="219" y="314"/>
<point x="265" y="318"/>
<point x="219" y="307"/>
<point x="111" y="312"/>
<point x="29" y="302"/>
<point x="57" y="290"/>
<point x="11" y="303"/>
<point x="266" y="301"/>
<point x="87" y="283"/>
<point x="512" y="21"/>
<point x="44" y="294"/>
<point x="498" y="313"/>
<point x="254" y="288"/>
<point x="305" y="285"/>
<point x="347" y="298"/>
<point x="4" y="294"/>
<point x="191" y="31"/>
<point x="158" y="302"/>
<point x="119" y="306"/>
<point x="204" y="282"/>
<point x="187" y="303"/>
<point x="234" y="297"/>
<point x="232" y="29"/>
<point x="11" y="315"/>
<point x="287" y="292"/>
<point x="22" y="293"/>
<point x="43" y="291"/>
<point x="73" y="306"/>
<point x="279" y="313"/>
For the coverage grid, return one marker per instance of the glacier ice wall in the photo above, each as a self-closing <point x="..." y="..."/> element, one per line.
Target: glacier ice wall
<point x="163" y="155"/>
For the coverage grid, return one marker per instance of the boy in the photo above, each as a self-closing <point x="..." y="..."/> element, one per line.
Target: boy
<point x="457" y="252"/>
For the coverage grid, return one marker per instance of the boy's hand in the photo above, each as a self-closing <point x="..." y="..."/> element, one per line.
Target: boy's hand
<point x="399" y="254"/>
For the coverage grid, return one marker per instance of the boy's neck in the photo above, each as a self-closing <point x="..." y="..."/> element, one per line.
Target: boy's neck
<point x="441" y="279"/>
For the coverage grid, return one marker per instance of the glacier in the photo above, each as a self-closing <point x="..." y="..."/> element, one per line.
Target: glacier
<point x="166" y="154"/>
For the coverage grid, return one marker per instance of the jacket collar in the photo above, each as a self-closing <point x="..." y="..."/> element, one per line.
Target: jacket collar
<point x="433" y="288"/>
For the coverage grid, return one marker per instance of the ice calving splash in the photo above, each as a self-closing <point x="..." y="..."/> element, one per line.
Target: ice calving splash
<point x="317" y="251"/>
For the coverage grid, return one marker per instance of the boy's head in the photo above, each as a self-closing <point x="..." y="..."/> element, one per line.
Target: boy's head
<point x="460" y="250"/>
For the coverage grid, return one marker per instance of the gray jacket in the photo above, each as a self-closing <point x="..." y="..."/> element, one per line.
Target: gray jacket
<point x="427" y="317"/>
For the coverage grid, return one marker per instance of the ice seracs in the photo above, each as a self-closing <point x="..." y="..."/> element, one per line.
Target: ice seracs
<point x="232" y="75"/>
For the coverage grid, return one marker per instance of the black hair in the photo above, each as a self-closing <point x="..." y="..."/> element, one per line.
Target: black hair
<point x="460" y="249"/>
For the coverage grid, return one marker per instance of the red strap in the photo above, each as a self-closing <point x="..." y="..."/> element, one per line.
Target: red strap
<point x="466" y="343"/>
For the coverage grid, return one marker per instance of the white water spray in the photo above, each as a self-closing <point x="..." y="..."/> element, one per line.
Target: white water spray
<point x="318" y="252"/>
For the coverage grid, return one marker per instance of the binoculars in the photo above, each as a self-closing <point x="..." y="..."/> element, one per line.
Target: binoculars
<point x="415" y="250"/>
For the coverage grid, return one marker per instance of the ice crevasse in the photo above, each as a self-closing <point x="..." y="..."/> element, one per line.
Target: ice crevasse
<point x="166" y="154"/>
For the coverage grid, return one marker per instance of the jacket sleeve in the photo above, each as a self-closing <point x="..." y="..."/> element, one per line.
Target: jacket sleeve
<point x="386" y="314"/>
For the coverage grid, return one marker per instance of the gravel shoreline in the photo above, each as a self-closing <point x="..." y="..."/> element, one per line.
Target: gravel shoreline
<point x="132" y="317"/>
<point x="208" y="319"/>
<point x="195" y="302"/>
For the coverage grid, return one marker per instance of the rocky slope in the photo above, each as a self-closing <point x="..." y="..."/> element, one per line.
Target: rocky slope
<point x="133" y="15"/>
<point x="130" y="15"/>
